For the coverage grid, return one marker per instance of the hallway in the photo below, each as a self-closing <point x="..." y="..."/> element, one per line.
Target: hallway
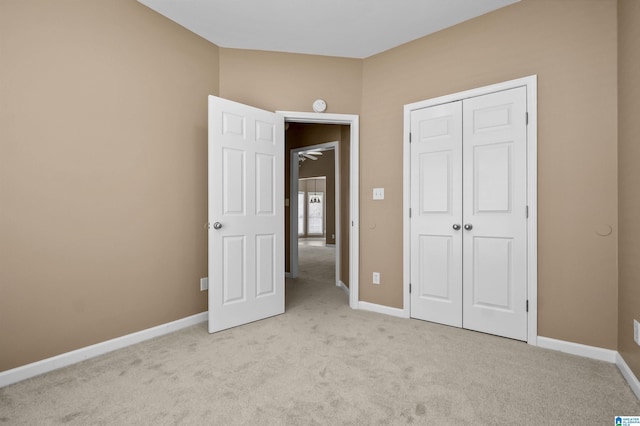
<point x="316" y="275"/>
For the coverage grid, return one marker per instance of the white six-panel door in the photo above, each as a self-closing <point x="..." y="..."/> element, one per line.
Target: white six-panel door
<point x="246" y="214"/>
<point x="495" y="203"/>
<point x="436" y="206"/>
<point x="468" y="213"/>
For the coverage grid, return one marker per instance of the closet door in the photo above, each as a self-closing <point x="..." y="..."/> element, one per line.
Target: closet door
<point x="494" y="217"/>
<point x="436" y="205"/>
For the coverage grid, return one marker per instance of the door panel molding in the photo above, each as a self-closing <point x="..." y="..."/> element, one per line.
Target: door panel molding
<point x="495" y="195"/>
<point x="490" y="115"/>
<point x="436" y="194"/>
<point x="246" y="208"/>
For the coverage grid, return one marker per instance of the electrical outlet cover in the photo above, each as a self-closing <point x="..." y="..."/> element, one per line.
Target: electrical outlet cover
<point x="204" y="283"/>
<point x="378" y="193"/>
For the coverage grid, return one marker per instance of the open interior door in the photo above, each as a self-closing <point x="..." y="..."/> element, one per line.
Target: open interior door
<point x="436" y="199"/>
<point x="246" y="214"/>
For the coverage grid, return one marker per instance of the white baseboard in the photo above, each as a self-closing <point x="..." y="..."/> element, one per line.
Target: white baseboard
<point x="628" y="375"/>
<point x="381" y="309"/>
<point x="586" y="351"/>
<point x="594" y="352"/>
<point x="343" y="286"/>
<point x="24" y="372"/>
<point x="63" y="360"/>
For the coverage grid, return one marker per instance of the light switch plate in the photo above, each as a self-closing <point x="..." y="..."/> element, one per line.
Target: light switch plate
<point x="378" y="193"/>
<point x="204" y="283"/>
<point x="376" y="277"/>
<point x="636" y="331"/>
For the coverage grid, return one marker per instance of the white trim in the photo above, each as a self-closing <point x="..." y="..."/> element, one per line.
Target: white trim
<point x="579" y="349"/>
<point x="406" y="219"/>
<point x="382" y="309"/>
<point x="354" y="186"/>
<point x="63" y="360"/>
<point x="293" y="203"/>
<point x="593" y="352"/>
<point x="530" y="83"/>
<point x="628" y="375"/>
<point x="343" y="286"/>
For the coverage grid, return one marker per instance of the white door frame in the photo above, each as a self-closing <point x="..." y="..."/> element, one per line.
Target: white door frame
<point x="530" y="83"/>
<point x="293" y="205"/>
<point x="354" y="185"/>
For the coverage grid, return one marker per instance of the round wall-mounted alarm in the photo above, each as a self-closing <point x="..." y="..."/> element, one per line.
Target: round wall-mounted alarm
<point x="319" y="105"/>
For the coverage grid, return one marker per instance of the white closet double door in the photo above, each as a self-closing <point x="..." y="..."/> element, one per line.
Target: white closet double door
<point x="469" y="213"/>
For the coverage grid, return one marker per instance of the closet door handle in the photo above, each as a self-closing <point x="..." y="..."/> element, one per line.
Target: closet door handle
<point x="456" y="227"/>
<point x="468" y="226"/>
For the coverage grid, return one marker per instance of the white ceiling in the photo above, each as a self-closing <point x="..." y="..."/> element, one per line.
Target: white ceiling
<point x="347" y="28"/>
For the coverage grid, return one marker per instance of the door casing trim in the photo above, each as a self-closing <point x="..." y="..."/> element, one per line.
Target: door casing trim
<point x="531" y="85"/>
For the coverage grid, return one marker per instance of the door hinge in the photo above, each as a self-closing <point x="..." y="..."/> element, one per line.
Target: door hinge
<point x="526" y="118"/>
<point x="526" y="212"/>
<point x="409" y="211"/>
<point x="409" y="137"/>
<point x="527" y="306"/>
<point x="409" y="288"/>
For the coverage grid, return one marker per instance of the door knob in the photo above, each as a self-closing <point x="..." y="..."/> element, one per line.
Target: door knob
<point x="456" y="227"/>
<point x="468" y="226"/>
<point x="217" y="225"/>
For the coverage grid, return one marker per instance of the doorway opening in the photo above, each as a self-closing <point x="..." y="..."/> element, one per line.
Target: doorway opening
<point x="317" y="210"/>
<point x="314" y="211"/>
<point x="313" y="130"/>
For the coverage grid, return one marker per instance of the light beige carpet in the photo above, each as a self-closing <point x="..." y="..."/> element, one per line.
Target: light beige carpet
<point x="322" y="363"/>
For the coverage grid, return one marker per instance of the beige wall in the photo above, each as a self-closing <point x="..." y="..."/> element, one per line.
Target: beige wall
<point x="103" y="159"/>
<point x="103" y="173"/>
<point x="629" y="179"/>
<point x="572" y="49"/>
<point x="290" y="82"/>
